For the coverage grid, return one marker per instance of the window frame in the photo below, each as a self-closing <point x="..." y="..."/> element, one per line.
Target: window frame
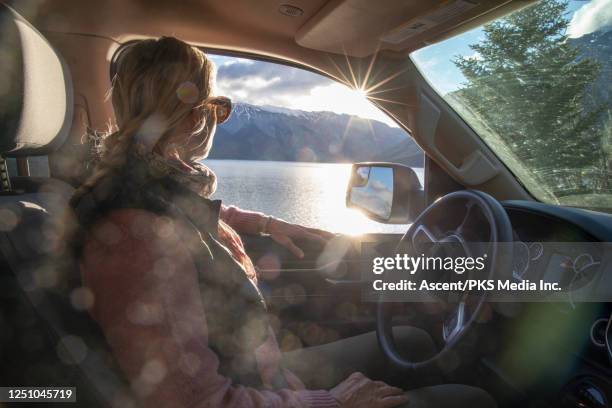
<point x="292" y="64"/>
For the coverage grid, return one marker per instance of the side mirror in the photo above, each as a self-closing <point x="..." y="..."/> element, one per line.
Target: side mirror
<point x="385" y="192"/>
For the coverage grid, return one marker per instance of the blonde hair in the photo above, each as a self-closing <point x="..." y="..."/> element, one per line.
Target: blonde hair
<point x="158" y="87"/>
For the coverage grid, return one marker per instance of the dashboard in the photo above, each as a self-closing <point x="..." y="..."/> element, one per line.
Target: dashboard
<point x="553" y="251"/>
<point x="551" y="221"/>
<point x="565" y="245"/>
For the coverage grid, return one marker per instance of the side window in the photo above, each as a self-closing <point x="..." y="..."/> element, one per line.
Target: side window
<point x="288" y="147"/>
<point x="38" y="165"/>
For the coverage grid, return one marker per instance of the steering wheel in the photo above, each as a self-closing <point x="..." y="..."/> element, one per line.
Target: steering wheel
<point x="475" y="222"/>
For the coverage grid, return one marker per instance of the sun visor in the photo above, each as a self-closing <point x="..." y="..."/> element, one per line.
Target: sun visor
<point x="359" y="28"/>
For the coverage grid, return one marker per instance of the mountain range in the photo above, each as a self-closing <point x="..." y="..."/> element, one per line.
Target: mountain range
<point x="281" y="134"/>
<point x="598" y="46"/>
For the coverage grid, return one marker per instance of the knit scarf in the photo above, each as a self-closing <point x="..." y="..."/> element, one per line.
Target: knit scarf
<point x="203" y="182"/>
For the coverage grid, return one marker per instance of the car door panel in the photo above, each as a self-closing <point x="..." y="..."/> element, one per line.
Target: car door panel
<point x="317" y="298"/>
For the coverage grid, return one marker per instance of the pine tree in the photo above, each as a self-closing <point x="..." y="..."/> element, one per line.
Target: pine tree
<point x="530" y="86"/>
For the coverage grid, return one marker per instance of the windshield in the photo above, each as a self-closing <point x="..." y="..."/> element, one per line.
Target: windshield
<point x="535" y="85"/>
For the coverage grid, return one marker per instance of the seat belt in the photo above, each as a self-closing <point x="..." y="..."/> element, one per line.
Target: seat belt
<point x="5" y="180"/>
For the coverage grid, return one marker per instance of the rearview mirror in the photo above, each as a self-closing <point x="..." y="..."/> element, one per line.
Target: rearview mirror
<point x="385" y="192"/>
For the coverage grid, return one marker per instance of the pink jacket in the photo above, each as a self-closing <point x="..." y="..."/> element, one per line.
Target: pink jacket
<point x="147" y="301"/>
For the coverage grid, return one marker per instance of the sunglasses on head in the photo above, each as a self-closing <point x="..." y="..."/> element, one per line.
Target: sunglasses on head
<point x="222" y="107"/>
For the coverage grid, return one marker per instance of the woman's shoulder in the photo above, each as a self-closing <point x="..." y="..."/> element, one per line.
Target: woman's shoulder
<point x="128" y="234"/>
<point x="129" y="217"/>
<point x="125" y="223"/>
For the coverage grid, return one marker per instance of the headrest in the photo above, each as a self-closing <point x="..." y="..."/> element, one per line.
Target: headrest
<point x="35" y="90"/>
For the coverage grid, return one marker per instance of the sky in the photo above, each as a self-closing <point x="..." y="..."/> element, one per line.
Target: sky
<point x="264" y="83"/>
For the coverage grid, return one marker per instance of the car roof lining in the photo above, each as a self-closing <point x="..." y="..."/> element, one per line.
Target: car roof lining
<point x="356" y="28"/>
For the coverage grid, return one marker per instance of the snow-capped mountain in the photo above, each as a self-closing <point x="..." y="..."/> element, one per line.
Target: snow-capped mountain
<point x="274" y="133"/>
<point x="598" y="46"/>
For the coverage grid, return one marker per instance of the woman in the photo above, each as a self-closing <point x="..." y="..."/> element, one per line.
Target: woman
<point x="175" y="293"/>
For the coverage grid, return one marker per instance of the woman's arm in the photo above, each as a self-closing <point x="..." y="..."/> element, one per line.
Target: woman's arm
<point x="148" y="303"/>
<point x="243" y="221"/>
<point x="285" y="233"/>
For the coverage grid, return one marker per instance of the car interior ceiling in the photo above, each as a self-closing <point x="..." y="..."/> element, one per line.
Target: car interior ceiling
<point x="68" y="47"/>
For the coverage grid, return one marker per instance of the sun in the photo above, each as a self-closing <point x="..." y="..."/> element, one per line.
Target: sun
<point x="340" y="99"/>
<point x="360" y="93"/>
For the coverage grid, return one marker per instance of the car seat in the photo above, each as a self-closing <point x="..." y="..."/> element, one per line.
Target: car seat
<point x="46" y="335"/>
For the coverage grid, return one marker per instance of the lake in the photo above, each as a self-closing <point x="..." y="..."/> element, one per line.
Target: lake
<point x="311" y="194"/>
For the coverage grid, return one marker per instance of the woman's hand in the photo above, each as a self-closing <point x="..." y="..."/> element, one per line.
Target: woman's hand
<point x="359" y="391"/>
<point x="285" y="233"/>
